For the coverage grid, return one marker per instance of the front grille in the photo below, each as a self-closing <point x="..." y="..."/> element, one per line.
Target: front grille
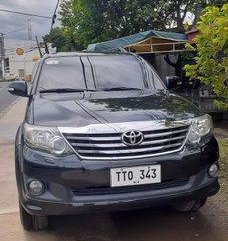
<point x="110" y="145"/>
<point x="116" y="190"/>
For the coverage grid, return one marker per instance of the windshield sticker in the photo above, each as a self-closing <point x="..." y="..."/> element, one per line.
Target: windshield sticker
<point x="52" y="61"/>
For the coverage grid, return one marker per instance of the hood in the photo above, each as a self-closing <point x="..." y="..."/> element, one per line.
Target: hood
<point x="82" y="109"/>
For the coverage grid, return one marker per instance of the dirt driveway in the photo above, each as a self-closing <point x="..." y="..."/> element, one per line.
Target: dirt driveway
<point x="163" y="224"/>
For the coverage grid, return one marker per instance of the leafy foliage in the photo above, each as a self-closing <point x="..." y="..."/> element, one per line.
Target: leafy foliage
<point x="62" y="39"/>
<point x="100" y="20"/>
<point x="211" y="62"/>
<point x="90" y="21"/>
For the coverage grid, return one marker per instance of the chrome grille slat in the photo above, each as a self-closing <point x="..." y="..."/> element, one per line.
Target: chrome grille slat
<point x="85" y="138"/>
<point x="135" y="150"/>
<point x="164" y="134"/>
<point x="110" y="145"/>
<point x="110" y="138"/>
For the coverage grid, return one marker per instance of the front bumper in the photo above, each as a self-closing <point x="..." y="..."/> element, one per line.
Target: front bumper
<point x="199" y="186"/>
<point x="62" y="176"/>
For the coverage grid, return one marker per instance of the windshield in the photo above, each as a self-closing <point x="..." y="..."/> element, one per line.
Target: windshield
<point x="63" y="72"/>
<point x="94" y="72"/>
<point x="114" y="71"/>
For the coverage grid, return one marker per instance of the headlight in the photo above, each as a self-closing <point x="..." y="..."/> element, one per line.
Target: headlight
<point x="46" y="138"/>
<point x="200" y="127"/>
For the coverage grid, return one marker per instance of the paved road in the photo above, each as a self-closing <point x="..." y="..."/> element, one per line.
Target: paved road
<point x="164" y="224"/>
<point x="6" y="99"/>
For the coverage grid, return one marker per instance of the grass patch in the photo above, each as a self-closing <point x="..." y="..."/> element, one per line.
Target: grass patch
<point x="223" y="176"/>
<point x="223" y="148"/>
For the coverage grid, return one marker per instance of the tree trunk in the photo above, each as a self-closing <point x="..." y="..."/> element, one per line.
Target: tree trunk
<point x="179" y="21"/>
<point x="177" y="65"/>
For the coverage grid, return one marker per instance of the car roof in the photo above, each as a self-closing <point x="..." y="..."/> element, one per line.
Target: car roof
<point x="85" y="53"/>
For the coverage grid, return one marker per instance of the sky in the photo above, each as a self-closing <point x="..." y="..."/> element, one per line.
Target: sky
<point x="10" y="22"/>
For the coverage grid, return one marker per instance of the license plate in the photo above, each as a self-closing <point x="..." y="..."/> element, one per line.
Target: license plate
<point x="130" y="176"/>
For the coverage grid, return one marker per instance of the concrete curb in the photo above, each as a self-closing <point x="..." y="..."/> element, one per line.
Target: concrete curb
<point x="4" y="112"/>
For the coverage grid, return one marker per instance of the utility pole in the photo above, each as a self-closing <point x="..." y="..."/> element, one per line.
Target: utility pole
<point x="37" y="42"/>
<point x="29" y="30"/>
<point x="2" y="57"/>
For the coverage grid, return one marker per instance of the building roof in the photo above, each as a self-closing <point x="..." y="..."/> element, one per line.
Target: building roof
<point x="141" y="42"/>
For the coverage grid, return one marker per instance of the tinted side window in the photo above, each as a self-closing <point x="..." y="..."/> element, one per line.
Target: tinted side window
<point x="153" y="77"/>
<point x="158" y="82"/>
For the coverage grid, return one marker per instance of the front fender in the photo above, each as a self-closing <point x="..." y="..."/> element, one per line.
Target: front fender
<point x="19" y="160"/>
<point x="18" y="138"/>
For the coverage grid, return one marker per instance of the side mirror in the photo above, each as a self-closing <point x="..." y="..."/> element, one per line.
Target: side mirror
<point x="172" y="82"/>
<point x="18" y="87"/>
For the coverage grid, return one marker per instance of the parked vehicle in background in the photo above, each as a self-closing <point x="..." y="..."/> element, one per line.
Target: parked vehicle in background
<point x="102" y="132"/>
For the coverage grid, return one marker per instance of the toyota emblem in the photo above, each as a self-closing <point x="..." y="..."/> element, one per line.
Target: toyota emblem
<point x="132" y="138"/>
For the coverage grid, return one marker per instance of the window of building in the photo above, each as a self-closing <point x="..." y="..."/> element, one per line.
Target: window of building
<point x="7" y="66"/>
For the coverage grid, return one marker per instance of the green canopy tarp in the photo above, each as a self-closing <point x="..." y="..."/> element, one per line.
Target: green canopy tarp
<point x="117" y="44"/>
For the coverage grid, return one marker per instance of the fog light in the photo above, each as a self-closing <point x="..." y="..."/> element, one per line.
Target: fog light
<point x="213" y="170"/>
<point x="36" y="187"/>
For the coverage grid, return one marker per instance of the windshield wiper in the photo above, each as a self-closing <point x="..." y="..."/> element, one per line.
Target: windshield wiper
<point x="70" y="90"/>
<point x="120" y="88"/>
<point x="63" y="90"/>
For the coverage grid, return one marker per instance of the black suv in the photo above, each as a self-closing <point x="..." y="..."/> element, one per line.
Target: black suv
<point x="102" y="132"/>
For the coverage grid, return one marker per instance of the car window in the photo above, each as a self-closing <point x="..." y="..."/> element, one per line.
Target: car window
<point x="158" y="84"/>
<point x="62" y="72"/>
<point x="113" y="71"/>
<point x="153" y="77"/>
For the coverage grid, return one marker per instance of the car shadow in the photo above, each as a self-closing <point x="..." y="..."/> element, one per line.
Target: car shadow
<point x="148" y="224"/>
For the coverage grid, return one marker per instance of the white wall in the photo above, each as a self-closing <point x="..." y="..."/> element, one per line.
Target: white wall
<point x="23" y="62"/>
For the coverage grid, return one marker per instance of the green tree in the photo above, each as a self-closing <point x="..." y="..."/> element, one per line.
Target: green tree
<point x="91" y="21"/>
<point x="62" y="39"/>
<point x="100" y="20"/>
<point x="211" y="62"/>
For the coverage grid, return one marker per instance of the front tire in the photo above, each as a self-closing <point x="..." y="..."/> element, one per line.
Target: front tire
<point x="190" y="206"/>
<point x="31" y="222"/>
